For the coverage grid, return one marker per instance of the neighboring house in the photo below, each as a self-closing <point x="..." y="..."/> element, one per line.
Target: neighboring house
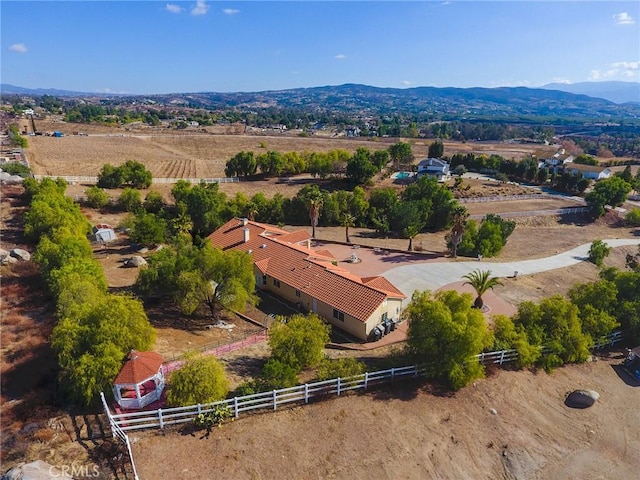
<point x="352" y="131"/>
<point x="558" y="160"/>
<point x="285" y="265"/>
<point x="434" y="167"/>
<point x="592" y="172"/>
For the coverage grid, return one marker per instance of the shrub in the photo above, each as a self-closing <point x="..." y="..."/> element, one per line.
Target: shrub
<point x="96" y="197"/>
<point x="340" y="368"/>
<point x="598" y="252"/>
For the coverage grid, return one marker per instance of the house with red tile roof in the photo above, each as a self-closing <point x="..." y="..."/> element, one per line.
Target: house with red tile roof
<point x="286" y="265"/>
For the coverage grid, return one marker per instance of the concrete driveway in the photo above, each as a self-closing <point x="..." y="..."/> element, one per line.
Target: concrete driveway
<point x="434" y="275"/>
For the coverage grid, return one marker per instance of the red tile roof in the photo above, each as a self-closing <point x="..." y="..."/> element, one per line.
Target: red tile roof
<point x="140" y="366"/>
<point x="305" y="270"/>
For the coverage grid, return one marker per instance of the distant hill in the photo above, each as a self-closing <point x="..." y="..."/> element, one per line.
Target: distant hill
<point x="618" y="92"/>
<point x="6" y="89"/>
<point x="447" y="103"/>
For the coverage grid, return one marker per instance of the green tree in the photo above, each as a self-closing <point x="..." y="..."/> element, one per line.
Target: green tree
<point x="154" y="202"/>
<point x="90" y="347"/>
<point x="148" y="229"/>
<point x="596" y="303"/>
<point x="481" y="281"/>
<point x="401" y="155"/>
<point x="436" y="149"/>
<point x="97" y="197"/>
<point x="380" y="158"/>
<point x="271" y="163"/>
<point x="611" y="191"/>
<point x="243" y="163"/>
<point x="135" y="174"/>
<point x="300" y="341"/>
<point x="348" y="220"/>
<point x="110" y="177"/>
<point x="459" y="216"/>
<point x="598" y="252"/>
<point x="444" y="334"/>
<point x="201" y="379"/>
<point x="130" y="200"/>
<point x="360" y="169"/>
<point x="59" y="248"/>
<point x="278" y="374"/>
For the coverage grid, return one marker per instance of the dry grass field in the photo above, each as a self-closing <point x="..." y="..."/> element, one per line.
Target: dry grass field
<point x="193" y="154"/>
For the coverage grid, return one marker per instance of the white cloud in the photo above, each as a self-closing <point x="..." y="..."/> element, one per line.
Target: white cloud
<point x="561" y="80"/>
<point x="201" y="8"/>
<point x="340" y="56"/>
<point x="174" y="8"/>
<point x="18" y="48"/>
<point x="406" y="83"/>
<point x="623" y="18"/>
<point x="617" y="70"/>
<point x="230" y="11"/>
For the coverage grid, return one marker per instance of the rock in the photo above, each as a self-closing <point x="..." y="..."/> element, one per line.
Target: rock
<point x="3" y="253"/>
<point x="9" y="260"/>
<point x="582" y="398"/>
<point x="493" y="411"/>
<point x="143" y="250"/>
<point x="37" y="470"/>
<point x="20" y="254"/>
<point x="135" y="261"/>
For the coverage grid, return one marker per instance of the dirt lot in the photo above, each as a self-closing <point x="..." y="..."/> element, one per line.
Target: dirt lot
<point x="418" y="432"/>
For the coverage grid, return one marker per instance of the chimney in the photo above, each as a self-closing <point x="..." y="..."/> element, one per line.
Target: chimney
<point x="245" y="221"/>
<point x="246" y="231"/>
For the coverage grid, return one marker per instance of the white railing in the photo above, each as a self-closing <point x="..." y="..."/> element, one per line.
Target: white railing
<point x="301" y="393"/>
<point x="93" y="180"/>
<point x="117" y="432"/>
<point x="266" y="400"/>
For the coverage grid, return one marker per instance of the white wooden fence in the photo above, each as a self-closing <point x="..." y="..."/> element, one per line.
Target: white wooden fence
<point x="117" y="432"/>
<point x="538" y="213"/>
<point x="301" y="393"/>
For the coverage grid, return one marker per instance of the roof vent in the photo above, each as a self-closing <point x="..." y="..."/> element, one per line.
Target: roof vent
<point x="249" y="251"/>
<point x="245" y="221"/>
<point x="264" y="245"/>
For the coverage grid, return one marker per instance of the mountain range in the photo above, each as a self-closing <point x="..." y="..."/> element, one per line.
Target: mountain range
<point x="477" y="102"/>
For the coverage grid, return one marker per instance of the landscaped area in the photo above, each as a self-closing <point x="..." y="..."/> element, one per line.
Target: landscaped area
<point x="464" y="427"/>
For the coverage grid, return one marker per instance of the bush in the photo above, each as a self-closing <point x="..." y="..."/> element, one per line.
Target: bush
<point x="340" y="368"/>
<point x="200" y="380"/>
<point x="96" y="197"/>
<point x="300" y="342"/>
<point x="16" y="168"/>
<point x="633" y="217"/>
<point x="598" y="252"/>
<point x="277" y="375"/>
<point x="130" y="200"/>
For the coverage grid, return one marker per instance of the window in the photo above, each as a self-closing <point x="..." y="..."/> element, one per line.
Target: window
<point x="264" y="279"/>
<point x="385" y="316"/>
<point x="297" y="293"/>
<point x="338" y="315"/>
<point x="276" y="282"/>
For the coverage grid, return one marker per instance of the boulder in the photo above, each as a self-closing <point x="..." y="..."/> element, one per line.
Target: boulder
<point x="20" y="254"/>
<point x="8" y="260"/>
<point x="3" y="253"/>
<point x="8" y="178"/>
<point x="582" y="398"/>
<point x="37" y="470"/>
<point x="135" y="261"/>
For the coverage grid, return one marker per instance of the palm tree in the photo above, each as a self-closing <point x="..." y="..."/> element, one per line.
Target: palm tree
<point x="458" y="221"/>
<point x="410" y="232"/>
<point x="315" y="204"/>
<point x="348" y="220"/>
<point x="481" y="281"/>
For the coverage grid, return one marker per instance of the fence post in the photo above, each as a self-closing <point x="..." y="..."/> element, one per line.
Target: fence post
<point x="501" y="357"/>
<point x="415" y="370"/>
<point x="235" y="406"/>
<point x="338" y="386"/>
<point x="199" y="409"/>
<point x="392" y="373"/>
<point x="306" y="393"/>
<point x="161" y="419"/>
<point x="366" y="379"/>
<point x="275" y="399"/>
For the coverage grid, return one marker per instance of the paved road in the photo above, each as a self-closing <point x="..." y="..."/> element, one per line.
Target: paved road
<point x="433" y="275"/>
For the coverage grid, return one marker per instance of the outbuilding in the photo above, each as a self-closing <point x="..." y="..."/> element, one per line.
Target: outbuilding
<point x="140" y="381"/>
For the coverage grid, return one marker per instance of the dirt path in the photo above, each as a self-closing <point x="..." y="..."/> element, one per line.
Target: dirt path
<point x="415" y="433"/>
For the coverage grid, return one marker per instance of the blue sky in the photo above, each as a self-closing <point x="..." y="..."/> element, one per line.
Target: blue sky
<point x="175" y="46"/>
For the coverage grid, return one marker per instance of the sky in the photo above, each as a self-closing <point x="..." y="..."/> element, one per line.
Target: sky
<point x="147" y="47"/>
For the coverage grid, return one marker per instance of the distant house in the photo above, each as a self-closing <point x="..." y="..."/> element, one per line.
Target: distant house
<point x="102" y="233"/>
<point x="28" y="111"/>
<point x="592" y="172"/>
<point x="557" y="161"/>
<point x="352" y="131"/>
<point x="285" y="265"/>
<point x="434" y="167"/>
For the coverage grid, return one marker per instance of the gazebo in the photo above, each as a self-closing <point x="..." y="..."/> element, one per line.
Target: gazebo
<point x="140" y="381"/>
